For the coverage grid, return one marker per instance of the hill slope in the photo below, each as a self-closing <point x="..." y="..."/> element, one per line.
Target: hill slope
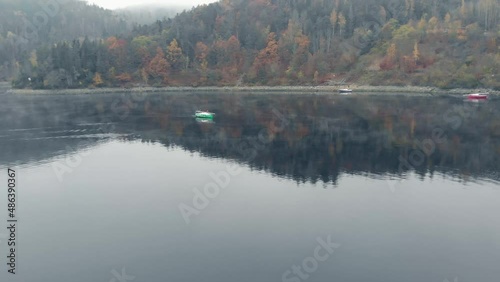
<point x="28" y="24"/>
<point x="447" y="43"/>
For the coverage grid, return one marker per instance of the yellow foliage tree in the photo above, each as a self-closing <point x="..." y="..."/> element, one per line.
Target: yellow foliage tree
<point x="333" y="20"/>
<point x="447" y="22"/>
<point x="464" y="10"/>
<point x="33" y="59"/>
<point x="433" y="23"/>
<point x="342" y="23"/>
<point x="98" y="81"/>
<point x="174" y="55"/>
<point x="392" y="52"/>
<point x="416" y="52"/>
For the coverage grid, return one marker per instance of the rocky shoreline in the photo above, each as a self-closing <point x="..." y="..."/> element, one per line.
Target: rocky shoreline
<point x="260" y="89"/>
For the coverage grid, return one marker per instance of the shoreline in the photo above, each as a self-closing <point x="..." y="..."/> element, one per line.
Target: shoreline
<point x="258" y="89"/>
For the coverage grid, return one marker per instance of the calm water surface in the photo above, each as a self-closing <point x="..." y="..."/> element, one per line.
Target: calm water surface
<point x="132" y="187"/>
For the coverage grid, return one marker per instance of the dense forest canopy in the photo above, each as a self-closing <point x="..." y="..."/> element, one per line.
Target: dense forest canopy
<point x="29" y="24"/>
<point x="451" y="43"/>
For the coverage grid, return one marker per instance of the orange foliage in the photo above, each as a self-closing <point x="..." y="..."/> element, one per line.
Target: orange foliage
<point x="408" y="64"/>
<point x="233" y="50"/>
<point x="492" y="45"/>
<point x="389" y="62"/>
<point x="118" y="50"/>
<point x="386" y="64"/>
<point x="124" y="78"/>
<point x="268" y="55"/>
<point x="158" y="67"/>
<point x="201" y="52"/>
<point x="143" y="54"/>
<point x="114" y="43"/>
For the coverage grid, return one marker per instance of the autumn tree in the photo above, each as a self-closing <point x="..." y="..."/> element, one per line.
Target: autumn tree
<point x="159" y="67"/>
<point x="408" y="64"/>
<point x="447" y="20"/>
<point x="416" y="53"/>
<point x="201" y="53"/>
<point x="342" y="23"/>
<point x="392" y="52"/>
<point x="98" y="81"/>
<point x="293" y="49"/>
<point x="174" y="56"/>
<point x="287" y="44"/>
<point x="118" y="50"/>
<point x="333" y="21"/>
<point x="422" y="24"/>
<point x="301" y="53"/>
<point x="124" y="78"/>
<point x="33" y="59"/>
<point x="267" y="61"/>
<point x="143" y="46"/>
<point x="233" y="51"/>
<point x="464" y="10"/>
<point x="433" y="24"/>
<point x="217" y="57"/>
<point x="389" y="61"/>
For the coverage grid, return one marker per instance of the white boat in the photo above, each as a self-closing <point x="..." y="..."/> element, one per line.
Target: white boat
<point x="346" y="90"/>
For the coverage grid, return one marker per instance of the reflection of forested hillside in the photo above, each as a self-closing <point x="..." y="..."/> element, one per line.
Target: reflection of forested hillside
<point x="307" y="138"/>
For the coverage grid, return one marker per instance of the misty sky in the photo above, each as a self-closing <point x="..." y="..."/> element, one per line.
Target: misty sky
<point x="113" y="4"/>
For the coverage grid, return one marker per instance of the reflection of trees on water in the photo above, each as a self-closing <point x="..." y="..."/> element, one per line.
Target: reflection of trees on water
<point x="304" y="137"/>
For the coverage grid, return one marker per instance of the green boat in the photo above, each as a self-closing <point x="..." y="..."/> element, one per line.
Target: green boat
<point x="204" y="115"/>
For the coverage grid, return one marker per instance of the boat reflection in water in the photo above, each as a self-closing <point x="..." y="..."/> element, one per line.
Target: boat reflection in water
<point x="205" y="120"/>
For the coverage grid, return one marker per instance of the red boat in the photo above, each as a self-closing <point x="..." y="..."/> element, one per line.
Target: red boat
<point x="477" y="96"/>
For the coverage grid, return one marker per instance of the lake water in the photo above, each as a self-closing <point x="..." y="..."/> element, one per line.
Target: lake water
<point x="130" y="187"/>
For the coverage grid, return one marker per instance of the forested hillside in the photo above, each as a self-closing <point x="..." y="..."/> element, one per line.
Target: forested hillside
<point x="449" y="43"/>
<point x="29" y="24"/>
